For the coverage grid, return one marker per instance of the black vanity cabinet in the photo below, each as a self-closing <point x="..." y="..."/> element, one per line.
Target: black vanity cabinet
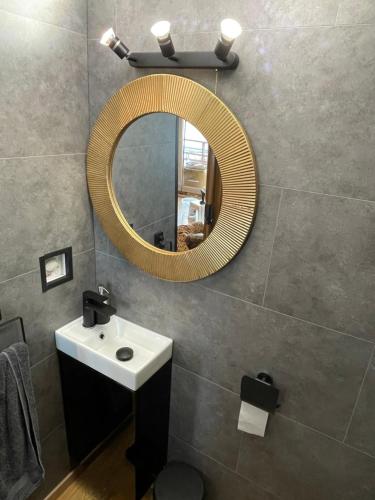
<point x="95" y="406"/>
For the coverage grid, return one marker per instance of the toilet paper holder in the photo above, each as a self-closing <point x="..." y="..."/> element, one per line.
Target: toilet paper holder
<point x="260" y="392"/>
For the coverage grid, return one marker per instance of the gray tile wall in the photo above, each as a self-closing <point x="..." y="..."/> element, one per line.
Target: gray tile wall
<point x="144" y="175"/>
<point x="44" y="203"/>
<point x="299" y="299"/>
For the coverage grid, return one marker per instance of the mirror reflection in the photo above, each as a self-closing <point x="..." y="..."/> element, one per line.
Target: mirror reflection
<point x="167" y="182"/>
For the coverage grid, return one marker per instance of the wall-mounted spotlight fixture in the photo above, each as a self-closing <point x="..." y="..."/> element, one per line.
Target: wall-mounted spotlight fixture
<point x="221" y="58"/>
<point x="162" y="32"/>
<point x="230" y="30"/>
<point x="109" y="39"/>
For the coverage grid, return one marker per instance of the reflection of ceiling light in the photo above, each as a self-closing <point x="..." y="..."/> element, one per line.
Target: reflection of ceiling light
<point x="111" y="40"/>
<point x="230" y="30"/>
<point x="162" y="31"/>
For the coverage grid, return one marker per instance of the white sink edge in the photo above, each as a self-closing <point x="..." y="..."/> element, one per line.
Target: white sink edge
<point x="88" y="355"/>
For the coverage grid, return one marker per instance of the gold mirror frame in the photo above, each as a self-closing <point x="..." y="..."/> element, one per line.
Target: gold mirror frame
<point x="191" y="101"/>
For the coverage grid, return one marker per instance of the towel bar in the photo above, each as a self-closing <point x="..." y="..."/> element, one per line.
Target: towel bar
<point x="9" y="337"/>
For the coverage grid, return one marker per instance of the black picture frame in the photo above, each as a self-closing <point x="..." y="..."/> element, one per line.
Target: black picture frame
<point x="68" y="268"/>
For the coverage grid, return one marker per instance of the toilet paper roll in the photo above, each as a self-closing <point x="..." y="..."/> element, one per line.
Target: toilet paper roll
<point x="252" y="420"/>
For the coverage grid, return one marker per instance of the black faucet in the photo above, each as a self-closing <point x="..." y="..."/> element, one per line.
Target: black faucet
<point x="95" y="311"/>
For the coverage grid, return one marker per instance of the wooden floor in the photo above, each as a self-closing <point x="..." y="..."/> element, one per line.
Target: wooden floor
<point x="108" y="476"/>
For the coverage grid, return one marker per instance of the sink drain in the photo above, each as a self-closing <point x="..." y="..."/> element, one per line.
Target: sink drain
<point x="124" y="354"/>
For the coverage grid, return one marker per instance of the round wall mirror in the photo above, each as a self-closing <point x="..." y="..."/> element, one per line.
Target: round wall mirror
<point x="172" y="177"/>
<point x="166" y="182"/>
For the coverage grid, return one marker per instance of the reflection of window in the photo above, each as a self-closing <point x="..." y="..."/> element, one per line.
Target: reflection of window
<point x="195" y="148"/>
<point x="193" y="159"/>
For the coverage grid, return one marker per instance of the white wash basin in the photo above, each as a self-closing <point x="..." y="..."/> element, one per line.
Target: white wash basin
<point x="96" y="347"/>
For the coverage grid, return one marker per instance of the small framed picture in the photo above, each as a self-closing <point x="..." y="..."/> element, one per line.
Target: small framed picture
<point x="56" y="268"/>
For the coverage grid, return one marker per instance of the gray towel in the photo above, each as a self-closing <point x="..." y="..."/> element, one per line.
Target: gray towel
<point x="21" y="469"/>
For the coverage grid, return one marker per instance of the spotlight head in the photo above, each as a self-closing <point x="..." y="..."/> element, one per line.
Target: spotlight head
<point x="108" y="37"/>
<point x="230" y="30"/>
<point x="162" y="31"/>
<point x="111" y="40"/>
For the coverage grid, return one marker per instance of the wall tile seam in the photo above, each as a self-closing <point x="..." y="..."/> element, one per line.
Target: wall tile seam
<point x="274" y="234"/>
<point x="58" y="26"/>
<point x="37" y="269"/>
<point x="280" y="413"/>
<point x="280" y="313"/>
<point x="43" y="360"/>
<point x="83" y="251"/>
<point x="115" y="15"/>
<point x="143" y="227"/>
<point x="7" y="158"/>
<point x="205" y="379"/>
<point x="220" y="464"/>
<point x="18" y="276"/>
<point x="106" y="253"/>
<point x="60" y="424"/>
<point x="358" y="395"/>
<point x="89" y="39"/>
<point x="154" y="222"/>
<point x="331" y="438"/>
<point x="53" y="431"/>
<point x="337" y="13"/>
<point x="246" y="301"/>
<point x="318" y="193"/>
<point x="350" y="25"/>
<point x="95" y="268"/>
<point x="110" y="255"/>
<point x="253" y="29"/>
<point x="238" y="453"/>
